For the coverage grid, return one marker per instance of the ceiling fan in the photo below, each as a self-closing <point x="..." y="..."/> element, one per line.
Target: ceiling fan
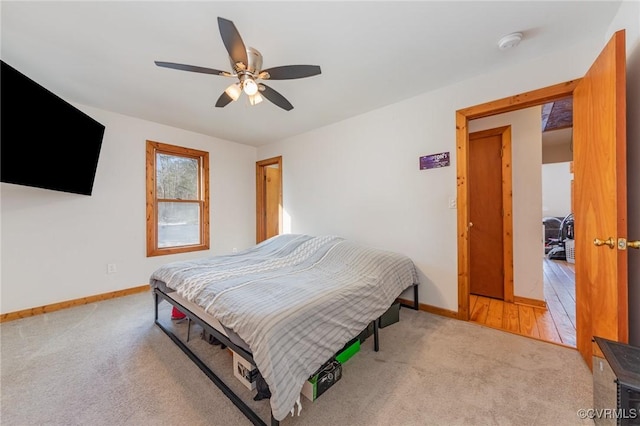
<point x="246" y="63"/>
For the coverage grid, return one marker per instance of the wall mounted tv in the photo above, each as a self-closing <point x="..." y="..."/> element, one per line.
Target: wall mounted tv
<point x="45" y="142"/>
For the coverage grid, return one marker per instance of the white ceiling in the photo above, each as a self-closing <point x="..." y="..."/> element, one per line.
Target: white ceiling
<point x="372" y="54"/>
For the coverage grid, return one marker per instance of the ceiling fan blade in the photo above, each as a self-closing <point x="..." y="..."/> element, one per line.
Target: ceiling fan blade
<point x="223" y="100"/>
<point x="192" y="68"/>
<point x="275" y="97"/>
<point x="232" y="41"/>
<point x="289" y="72"/>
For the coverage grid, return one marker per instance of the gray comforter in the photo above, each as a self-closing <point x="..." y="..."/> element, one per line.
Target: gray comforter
<point x="294" y="299"/>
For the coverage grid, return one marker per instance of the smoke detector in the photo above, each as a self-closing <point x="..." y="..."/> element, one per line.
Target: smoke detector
<point x="509" y="41"/>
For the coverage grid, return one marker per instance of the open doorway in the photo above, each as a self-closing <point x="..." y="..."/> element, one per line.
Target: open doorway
<point x="539" y="296"/>
<point x="558" y="263"/>
<point x="600" y="202"/>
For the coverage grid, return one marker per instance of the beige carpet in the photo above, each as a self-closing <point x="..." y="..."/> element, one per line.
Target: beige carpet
<point x="107" y="363"/>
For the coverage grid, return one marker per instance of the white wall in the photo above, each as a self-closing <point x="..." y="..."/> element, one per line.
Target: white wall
<point x="557" y="153"/>
<point x="526" y="159"/>
<point x="56" y="246"/>
<point x="360" y="178"/>
<point x="556" y="189"/>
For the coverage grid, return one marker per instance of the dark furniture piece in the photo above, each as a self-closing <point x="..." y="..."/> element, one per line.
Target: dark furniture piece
<point x="555" y="247"/>
<point x="616" y="384"/>
<point x="551" y="231"/>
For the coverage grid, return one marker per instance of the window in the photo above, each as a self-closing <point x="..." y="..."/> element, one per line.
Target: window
<point x="177" y="199"/>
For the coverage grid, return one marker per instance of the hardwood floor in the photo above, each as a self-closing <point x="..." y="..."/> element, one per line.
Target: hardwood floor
<point x="555" y="324"/>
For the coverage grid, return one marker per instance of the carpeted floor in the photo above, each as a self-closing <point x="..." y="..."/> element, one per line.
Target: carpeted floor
<point x="107" y="363"/>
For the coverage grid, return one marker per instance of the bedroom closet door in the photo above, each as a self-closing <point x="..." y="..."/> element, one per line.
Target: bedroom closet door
<point x="490" y="253"/>
<point x="268" y="198"/>
<point x="272" y="201"/>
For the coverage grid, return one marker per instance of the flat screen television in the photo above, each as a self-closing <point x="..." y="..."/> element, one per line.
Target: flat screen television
<point x="45" y="142"/>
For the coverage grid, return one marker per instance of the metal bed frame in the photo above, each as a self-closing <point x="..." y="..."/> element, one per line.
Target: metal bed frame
<point x="159" y="295"/>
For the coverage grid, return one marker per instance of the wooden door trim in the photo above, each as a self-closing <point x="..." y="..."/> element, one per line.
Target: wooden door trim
<point x="511" y="103"/>
<point x="507" y="204"/>
<point x="261" y="175"/>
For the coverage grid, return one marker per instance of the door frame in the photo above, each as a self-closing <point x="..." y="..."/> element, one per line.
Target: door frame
<point x="261" y="208"/>
<point x="500" y="106"/>
<point x="507" y="206"/>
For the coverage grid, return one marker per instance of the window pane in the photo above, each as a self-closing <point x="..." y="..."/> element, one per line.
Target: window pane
<point x="176" y="177"/>
<point x="178" y="224"/>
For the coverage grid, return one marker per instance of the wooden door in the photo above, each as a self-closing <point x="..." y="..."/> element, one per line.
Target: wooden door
<point x="269" y="207"/>
<point x="486" y="268"/>
<point x="599" y="105"/>
<point x="272" y="201"/>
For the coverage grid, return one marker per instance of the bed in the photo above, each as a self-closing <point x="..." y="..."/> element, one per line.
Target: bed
<point x="287" y="304"/>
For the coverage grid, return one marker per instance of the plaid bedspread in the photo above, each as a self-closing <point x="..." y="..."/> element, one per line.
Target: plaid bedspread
<point x="294" y="299"/>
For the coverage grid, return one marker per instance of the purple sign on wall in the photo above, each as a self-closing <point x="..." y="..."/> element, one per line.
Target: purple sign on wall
<point x="434" y="161"/>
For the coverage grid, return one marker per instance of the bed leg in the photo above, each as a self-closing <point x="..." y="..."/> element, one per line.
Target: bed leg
<point x="416" y="302"/>
<point x="188" y="329"/>
<point x="157" y="300"/>
<point x="274" y="422"/>
<point x="376" y="341"/>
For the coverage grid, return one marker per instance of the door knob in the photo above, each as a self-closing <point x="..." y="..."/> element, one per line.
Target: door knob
<point x="634" y="244"/>
<point x="608" y="242"/>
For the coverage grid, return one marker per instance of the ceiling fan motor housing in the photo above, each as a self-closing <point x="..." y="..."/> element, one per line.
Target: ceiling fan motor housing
<point x="254" y="62"/>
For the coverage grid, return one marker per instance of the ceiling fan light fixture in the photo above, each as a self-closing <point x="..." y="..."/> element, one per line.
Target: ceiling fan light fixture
<point x="255" y="99"/>
<point x="234" y="91"/>
<point x="249" y="86"/>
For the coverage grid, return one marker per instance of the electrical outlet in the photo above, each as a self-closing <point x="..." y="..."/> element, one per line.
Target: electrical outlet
<point x="453" y="203"/>
<point x="111" y="268"/>
<point x="235" y="250"/>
